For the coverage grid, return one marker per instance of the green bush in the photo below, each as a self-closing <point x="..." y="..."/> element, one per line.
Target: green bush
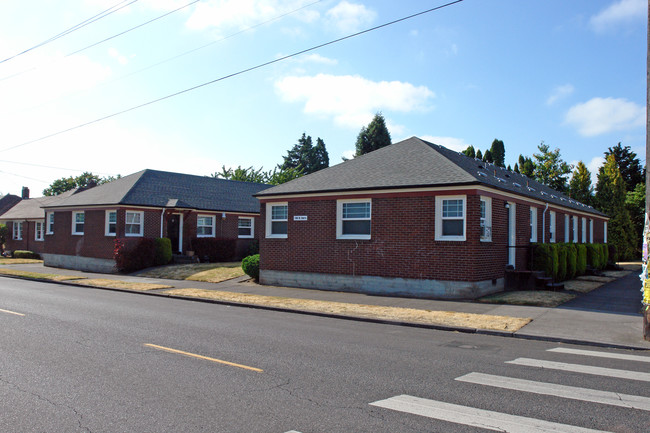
<point x="594" y="255"/>
<point x="581" y="262"/>
<point x="22" y="254"/>
<point x="253" y="248"/>
<point x="612" y="253"/>
<point x="251" y="266"/>
<point x="214" y="250"/>
<point x="562" y="252"/>
<point x="605" y="253"/>
<point x="571" y="261"/>
<point x="163" y="254"/>
<point x="132" y="256"/>
<point x="545" y="258"/>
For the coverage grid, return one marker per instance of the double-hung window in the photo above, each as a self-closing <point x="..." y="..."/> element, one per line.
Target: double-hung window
<point x="486" y="219"/>
<point x="566" y="229"/>
<point x="205" y="226"/>
<point x="552" y="227"/>
<point x="533" y="224"/>
<point x="133" y="223"/>
<point x="245" y="227"/>
<point x="38" y="230"/>
<point x="18" y="230"/>
<point x="78" y="219"/>
<point x="604" y="232"/>
<point x="111" y="223"/>
<point x="277" y="220"/>
<point x="591" y="231"/>
<point x="49" y="221"/>
<point x="584" y="230"/>
<point x="450" y="218"/>
<point x="575" y="229"/>
<point x="353" y="219"/>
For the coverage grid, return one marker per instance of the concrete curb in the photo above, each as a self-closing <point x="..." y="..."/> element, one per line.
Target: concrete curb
<point x="493" y="333"/>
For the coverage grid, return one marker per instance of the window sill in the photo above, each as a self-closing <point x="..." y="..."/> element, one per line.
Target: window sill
<point x="112" y="235"/>
<point x="133" y="235"/>
<point x="451" y="239"/>
<point x="354" y="237"/>
<point x="486" y="240"/>
<point x="77" y="234"/>
<point x="277" y="237"/>
<point x="245" y="237"/>
<point x="204" y="236"/>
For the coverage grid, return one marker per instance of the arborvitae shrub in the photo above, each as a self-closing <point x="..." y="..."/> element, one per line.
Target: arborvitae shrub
<point x="561" y="262"/>
<point x="581" y="263"/>
<point x="571" y="262"/>
<point x="163" y="253"/>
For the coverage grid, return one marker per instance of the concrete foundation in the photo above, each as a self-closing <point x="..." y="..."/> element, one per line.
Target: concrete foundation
<point x="87" y="264"/>
<point x="408" y="287"/>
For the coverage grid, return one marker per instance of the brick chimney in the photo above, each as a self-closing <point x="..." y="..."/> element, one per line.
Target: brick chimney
<point x="25" y="193"/>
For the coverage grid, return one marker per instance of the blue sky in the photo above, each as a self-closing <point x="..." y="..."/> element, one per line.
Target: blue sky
<point x="569" y="73"/>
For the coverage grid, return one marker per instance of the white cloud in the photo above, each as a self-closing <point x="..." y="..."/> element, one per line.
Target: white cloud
<point x="352" y="100"/>
<point x="620" y="12"/>
<point x="350" y="17"/>
<point x="315" y="58"/>
<point x="121" y="59"/>
<point x="453" y="143"/>
<point x="560" y="92"/>
<point x="602" y="115"/>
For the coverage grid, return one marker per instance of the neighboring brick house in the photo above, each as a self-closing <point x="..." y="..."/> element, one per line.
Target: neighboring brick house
<point x="413" y="219"/>
<point x="26" y="222"/>
<point x="8" y="201"/>
<point x="81" y="230"/>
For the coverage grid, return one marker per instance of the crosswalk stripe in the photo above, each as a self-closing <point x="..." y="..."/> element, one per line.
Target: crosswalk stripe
<point x="575" y="393"/>
<point x="475" y="417"/>
<point x="622" y="356"/>
<point x="586" y="369"/>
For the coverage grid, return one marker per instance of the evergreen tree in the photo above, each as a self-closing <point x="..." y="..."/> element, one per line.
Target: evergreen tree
<point x="306" y="157"/>
<point x="373" y="137"/>
<point x="516" y="169"/>
<point x="526" y="166"/>
<point x="479" y="155"/>
<point x="550" y="169"/>
<point x="487" y="156"/>
<point x="320" y="157"/>
<point x="629" y="165"/>
<point x="498" y="152"/>
<point x="610" y="199"/>
<point x="509" y="167"/>
<point x="580" y="185"/>
<point x="470" y="151"/>
<point x="635" y="204"/>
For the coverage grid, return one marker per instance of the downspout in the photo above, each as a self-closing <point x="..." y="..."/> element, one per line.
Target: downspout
<point x="544" y="224"/>
<point x="162" y="218"/>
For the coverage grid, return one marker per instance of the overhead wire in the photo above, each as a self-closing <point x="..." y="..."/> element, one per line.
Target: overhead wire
<point x="84" y="23"/>
<point x="234" y="74"/>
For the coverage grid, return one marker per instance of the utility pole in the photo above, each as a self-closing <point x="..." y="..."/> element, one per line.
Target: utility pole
<point x="646" y="231"/>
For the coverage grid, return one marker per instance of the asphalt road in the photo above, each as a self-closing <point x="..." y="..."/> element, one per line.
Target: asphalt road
<point x="78" y="359"/>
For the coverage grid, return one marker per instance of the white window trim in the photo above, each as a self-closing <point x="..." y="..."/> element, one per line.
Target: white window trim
<point x="49" y="225"/>
<point x="339" y="219"/>
<point x="269" y="221"/>
<point x="553" y="227"/>
<point x="591" y="231"/>
<point x="567" y="229"/>
<point x="17" y="231"/>
<point x="533" y="224"/>
<point x="604" y="232"/>
<point x="584" y="230"/>
<point x="74" y="223"/>
<point x="488" y="219"/>
<point x="107" y="222"/>
<point x="252" y="235"/>
<point x="575" y="229"/>
<point x="42" y="231"/>
<point x="213" y="226"/>
<point x="126" y="218"/>
<point x="438" y="212"/>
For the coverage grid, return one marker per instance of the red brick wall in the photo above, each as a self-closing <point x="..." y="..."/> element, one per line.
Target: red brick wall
<point x="28" y="241"/>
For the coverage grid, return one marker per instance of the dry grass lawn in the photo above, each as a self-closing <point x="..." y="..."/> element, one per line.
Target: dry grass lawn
<point x="9" y="261"/>
<point x="411" y="315"/>
<point x="38" y="276"/>
<point x="537" y="298"/>
<point x="207" y="272"/>
<point x="117" y="284"/>
<point x="582" y="286"/>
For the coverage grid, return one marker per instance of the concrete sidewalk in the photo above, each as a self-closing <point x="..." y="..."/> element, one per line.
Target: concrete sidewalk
<point x="607" y="316"/>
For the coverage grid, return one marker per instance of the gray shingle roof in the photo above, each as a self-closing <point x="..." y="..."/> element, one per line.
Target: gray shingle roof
<point x="8" y="201"/>
<point x="32" y="208"/>
<point x="153" y="188"/>
<point x="417" y="163"/>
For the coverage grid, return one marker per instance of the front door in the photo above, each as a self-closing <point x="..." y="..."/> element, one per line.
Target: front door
<point x="173" y="231"/>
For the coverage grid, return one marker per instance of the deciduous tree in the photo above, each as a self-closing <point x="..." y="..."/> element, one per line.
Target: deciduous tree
<point x="550" y="169"/>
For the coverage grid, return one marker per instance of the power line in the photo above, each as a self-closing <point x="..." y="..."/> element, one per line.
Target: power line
<point x="234" y="74"/>
<point x="84" y="23"/>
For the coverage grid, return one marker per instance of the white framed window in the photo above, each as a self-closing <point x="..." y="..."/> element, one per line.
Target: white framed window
<point x="78" y="220"/>
<point x="49" y="221"/>
<point x="133" y="223"/>
<point x="584" y="230"/>
<point x="205" y="226"/>
<point x="38" y="230"/>
<point x="533" y="224"/>
<point x="277" y="220"/>
<point x="605" y="232"/>
<point x="450" y="218"/>
<point x="552" y="227"/>
<point x="246" y="227"/>
<point x="17" y="230"/>
<point x="110" y="228"/>
<point x="575" y="229"/>
<point x="566" y="229"/>
<point x="591" y="231"/>
<point x="486" y="219"/>
<point x="353" y="219"/>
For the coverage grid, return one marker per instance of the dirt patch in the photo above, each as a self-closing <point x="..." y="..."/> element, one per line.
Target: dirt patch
<point x="8" y="261"/>
<point x="38" y="276"/>
<point x="208" y="272"/>
<point x="582" y="286"/>
<point x="616" y="274"/>
<point x="596" y="278"/>
<point x="537" y="298"/>
<point x="117" y="284"/>
<point x="410" y="315"/>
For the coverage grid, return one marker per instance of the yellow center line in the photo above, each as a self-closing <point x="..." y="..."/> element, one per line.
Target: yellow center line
<point x="12" y="312"/>
<point x="193" y="355"/>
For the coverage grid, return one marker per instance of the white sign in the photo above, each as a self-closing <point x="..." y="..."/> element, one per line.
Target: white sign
<point x="300" y="217"/>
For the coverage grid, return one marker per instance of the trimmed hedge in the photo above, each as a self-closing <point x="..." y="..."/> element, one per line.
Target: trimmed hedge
<point x="22" y="254"/>
<point x="214" y="249"/>
<point x="163" y="253"/>
<point x="133" y="256"/>
<point x="562" y="252"/>
<point x="545" y="258"/>
<point x="251" y="266"/>
<point x="581" y="263"/>
<point x="571" y="261"/>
